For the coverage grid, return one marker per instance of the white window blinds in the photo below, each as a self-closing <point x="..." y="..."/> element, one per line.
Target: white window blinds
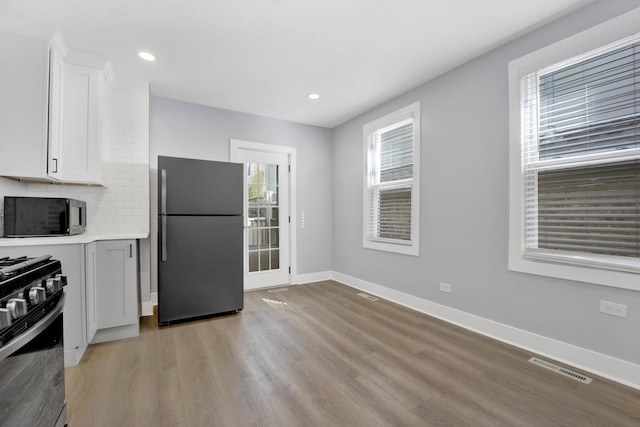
<point x="391" y="192"/>
<point x="390" y="180"/>
<point x="581" y="159"/>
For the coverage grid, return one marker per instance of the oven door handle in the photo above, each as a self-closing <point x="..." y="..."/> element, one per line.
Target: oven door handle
<point x="21" y="340"/>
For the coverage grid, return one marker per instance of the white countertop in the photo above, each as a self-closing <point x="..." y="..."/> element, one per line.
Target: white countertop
<point x="68" y="240"/>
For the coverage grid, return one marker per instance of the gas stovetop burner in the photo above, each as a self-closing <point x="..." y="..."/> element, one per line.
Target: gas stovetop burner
<point x="6" y="261"/>
<point x="29" y="288"/>
<point x="10" y="267"/>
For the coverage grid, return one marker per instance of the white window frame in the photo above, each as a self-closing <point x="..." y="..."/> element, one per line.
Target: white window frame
<point x="411" y="247"/>
<point x="601" y="35"/>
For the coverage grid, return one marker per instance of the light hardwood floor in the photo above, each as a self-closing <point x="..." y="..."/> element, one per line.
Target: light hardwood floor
<point x="319" y="355"/>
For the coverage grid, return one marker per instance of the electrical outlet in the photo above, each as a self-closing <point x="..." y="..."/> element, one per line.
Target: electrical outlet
<point x="445" y="287"/>
<point x="613" y="308"/>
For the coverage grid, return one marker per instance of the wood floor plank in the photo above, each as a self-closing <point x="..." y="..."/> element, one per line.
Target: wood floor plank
<point x="320" y="355"/>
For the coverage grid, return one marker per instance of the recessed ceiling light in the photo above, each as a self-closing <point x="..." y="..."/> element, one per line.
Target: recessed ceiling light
<point x="146" y="56"/>
<point x="313" y="96"/>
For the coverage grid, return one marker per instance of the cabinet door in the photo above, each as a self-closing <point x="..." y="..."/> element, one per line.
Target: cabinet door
<point x="91" y="295"/>
<point x="80" y="157"/>
<point x="24" y="83"/>
<point x="56" y="80"/>
<point x="117" y="290"/>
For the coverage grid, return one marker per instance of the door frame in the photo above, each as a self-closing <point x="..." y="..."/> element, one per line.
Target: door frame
<point x="235" y="145"/>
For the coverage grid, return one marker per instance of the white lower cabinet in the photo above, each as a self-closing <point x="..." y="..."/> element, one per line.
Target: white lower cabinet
<point x="90" y="293"/>
<point x="111" y="290"/>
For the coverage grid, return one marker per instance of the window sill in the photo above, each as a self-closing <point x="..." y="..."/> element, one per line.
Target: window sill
<point x="400" y="248"/>
<point x="598" y="276"/>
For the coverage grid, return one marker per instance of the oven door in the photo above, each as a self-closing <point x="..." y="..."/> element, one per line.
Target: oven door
<point x="32" y="375"/>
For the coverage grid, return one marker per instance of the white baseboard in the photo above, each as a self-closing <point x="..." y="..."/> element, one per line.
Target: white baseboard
<point x="146" y="308"/>
<point x="117" y="333"/>
<point x="618" y="370"/>
<point x="72" y="357"/>
<point x="301" y="279"/>
<point x="154" y="298"/>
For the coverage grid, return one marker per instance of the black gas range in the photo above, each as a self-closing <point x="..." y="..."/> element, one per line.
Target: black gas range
<point x="31" y="342"/>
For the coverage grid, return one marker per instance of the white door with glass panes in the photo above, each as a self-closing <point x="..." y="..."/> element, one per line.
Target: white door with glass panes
<point x="266" y="218"/>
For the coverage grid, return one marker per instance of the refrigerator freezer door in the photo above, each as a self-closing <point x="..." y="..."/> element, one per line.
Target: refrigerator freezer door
<point x="199" y="187"/>
<point x="202" y="274"/>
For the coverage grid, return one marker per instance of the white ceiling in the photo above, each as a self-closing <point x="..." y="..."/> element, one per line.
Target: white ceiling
<point x="264" y="56"/>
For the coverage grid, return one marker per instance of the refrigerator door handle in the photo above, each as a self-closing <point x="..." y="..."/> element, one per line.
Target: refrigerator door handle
<point x="163" y="238"/>
<point x="163" y="192"/>
<point x="163" y="215"/>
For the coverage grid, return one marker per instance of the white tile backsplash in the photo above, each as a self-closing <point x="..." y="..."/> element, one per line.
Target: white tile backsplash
<point x="123" y="205"/>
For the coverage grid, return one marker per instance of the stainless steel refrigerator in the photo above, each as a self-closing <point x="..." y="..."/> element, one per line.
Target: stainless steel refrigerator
<point x="200" y="226"/>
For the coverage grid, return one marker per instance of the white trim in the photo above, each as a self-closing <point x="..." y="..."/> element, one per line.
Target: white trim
<point x="301" y="279"/>
<point x="87" y="60"/>
<point x="238" y="144"/>
<point x="117" y="333"/>
<point x="72" y="357"/>
<point x="600" y="35"/>
<point x="154" y="298"/>
<point x="412" y="247"/>
<point x="617" y="28"/>
<point x="614" y="369"/>
<point x="146" y="307"/>
<point x="59" y="42"/>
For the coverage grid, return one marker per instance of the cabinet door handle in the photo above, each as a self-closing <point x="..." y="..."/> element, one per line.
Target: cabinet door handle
<point x="130" y="251"/>
<point x="55" y="169"/>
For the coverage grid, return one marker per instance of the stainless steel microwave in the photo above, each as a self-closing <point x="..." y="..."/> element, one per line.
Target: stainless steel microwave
<point x="43" y="216"/>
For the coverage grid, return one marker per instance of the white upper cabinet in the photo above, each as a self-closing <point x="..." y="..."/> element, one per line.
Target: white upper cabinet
<point x="51" y="112"/>
<point x="24" y="106"/>
<point x="81" y="145"/>
<point x="56" y="80"/>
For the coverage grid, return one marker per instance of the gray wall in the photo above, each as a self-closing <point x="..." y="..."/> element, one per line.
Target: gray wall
<point x="464" y="207"/>
<point x="187" y="130"/>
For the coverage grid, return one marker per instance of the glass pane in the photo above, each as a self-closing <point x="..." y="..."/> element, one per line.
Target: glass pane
<point x="264" y="260"/>
<point x="273" y="220"/>
<point x="590" y="105"/>
<point x="253" y="261"/>
<point x="394" y="210"/>
<point x="275" y="260"/>
<point x="255" y="174"/>
<point x="252" y="237"/>
<point x="264" y="238"/>
<point x="253" y="192"/>
<point x="591" y="209"/>
<point x="262" y="217"/>
<point x="396" y="153"/>
<point x="273" y="195"/>
<point x="270" y="174"/>
<point x="254" y="195"/>
<point x="275" y="232"/>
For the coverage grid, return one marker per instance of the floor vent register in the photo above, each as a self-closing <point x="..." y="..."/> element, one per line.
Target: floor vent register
<point x="369" y="297"/>
<point x="562" y="371"/>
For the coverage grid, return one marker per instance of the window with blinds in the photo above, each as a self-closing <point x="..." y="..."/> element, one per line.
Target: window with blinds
<point x="390" y="202"/>
<point x="581" y="159"/>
